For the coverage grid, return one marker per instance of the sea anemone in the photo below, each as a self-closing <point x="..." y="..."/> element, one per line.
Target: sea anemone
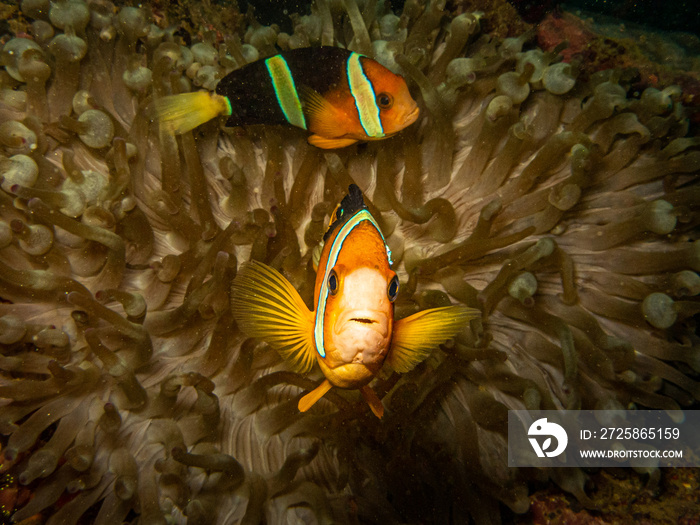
<point x="564" y="208"/>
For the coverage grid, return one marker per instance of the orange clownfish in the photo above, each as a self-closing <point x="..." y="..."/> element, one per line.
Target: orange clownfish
<point x="339" y="96"/>
<point x="351" y="333"/>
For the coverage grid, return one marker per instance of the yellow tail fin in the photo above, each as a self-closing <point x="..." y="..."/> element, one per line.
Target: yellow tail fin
<point x="181" y="113"/>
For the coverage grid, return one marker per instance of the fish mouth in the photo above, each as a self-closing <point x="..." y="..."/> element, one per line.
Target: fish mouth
<point x="412" y="116"/>
<point x="366" y="318"/>
<point x="361" y="337"/>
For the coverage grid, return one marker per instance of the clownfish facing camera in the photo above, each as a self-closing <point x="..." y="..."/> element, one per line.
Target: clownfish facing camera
<point x="339" y="96"/>
<point x="352" y="332"/>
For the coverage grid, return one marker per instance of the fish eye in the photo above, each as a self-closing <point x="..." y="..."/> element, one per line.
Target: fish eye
<point x="393" y="290"/>
<point x="385" y="100"/>
<point x="333" y="282"/>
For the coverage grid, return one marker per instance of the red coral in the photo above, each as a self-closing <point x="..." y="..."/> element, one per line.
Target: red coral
<point x="555" y="511"/>
<point x="556" y="28"/>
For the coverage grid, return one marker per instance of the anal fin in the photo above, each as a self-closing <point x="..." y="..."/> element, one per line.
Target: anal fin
<point x="317" y="393"/>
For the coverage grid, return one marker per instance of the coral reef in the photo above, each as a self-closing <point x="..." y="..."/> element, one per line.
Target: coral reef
<point x="653" y="58"/>
<point x="620" y="496"/>
<point x="565" y="210"/>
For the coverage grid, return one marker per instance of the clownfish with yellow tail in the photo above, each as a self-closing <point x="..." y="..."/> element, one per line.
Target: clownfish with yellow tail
<point x="339" y="96"/>
<point x="352" y="332"/>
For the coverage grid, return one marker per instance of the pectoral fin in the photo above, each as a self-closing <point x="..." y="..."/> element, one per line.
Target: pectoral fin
<point x="266" y="305"/>
<point x="317" y="393"/>
<point x="321" y="116"/>
<point x="415" y="336"/>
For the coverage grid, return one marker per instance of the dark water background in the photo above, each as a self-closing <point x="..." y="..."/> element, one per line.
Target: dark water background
<point x="673" y="15"/>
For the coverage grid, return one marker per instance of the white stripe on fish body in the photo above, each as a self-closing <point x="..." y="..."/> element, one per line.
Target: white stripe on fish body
<point x="365" y="98"/>
<point x="285" y="90"/>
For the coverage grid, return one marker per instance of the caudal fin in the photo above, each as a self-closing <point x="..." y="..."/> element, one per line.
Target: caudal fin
<point x="181" y="113"/>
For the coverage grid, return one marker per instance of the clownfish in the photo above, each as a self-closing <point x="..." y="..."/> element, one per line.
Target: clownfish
<point x="339" y="96"/>
<point x="351" y="333"/>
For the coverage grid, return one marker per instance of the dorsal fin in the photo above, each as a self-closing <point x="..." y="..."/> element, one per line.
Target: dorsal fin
<point x="351" y="203"/>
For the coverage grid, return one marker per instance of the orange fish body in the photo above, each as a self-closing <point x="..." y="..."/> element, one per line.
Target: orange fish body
<point x="351" y="333"/>
<point x="339" y="96"/>
<point x="357" y="317"/>
<point x="367" y="102"/>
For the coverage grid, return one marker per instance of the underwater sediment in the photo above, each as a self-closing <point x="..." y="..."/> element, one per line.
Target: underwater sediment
<point x="563" y="208"/>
